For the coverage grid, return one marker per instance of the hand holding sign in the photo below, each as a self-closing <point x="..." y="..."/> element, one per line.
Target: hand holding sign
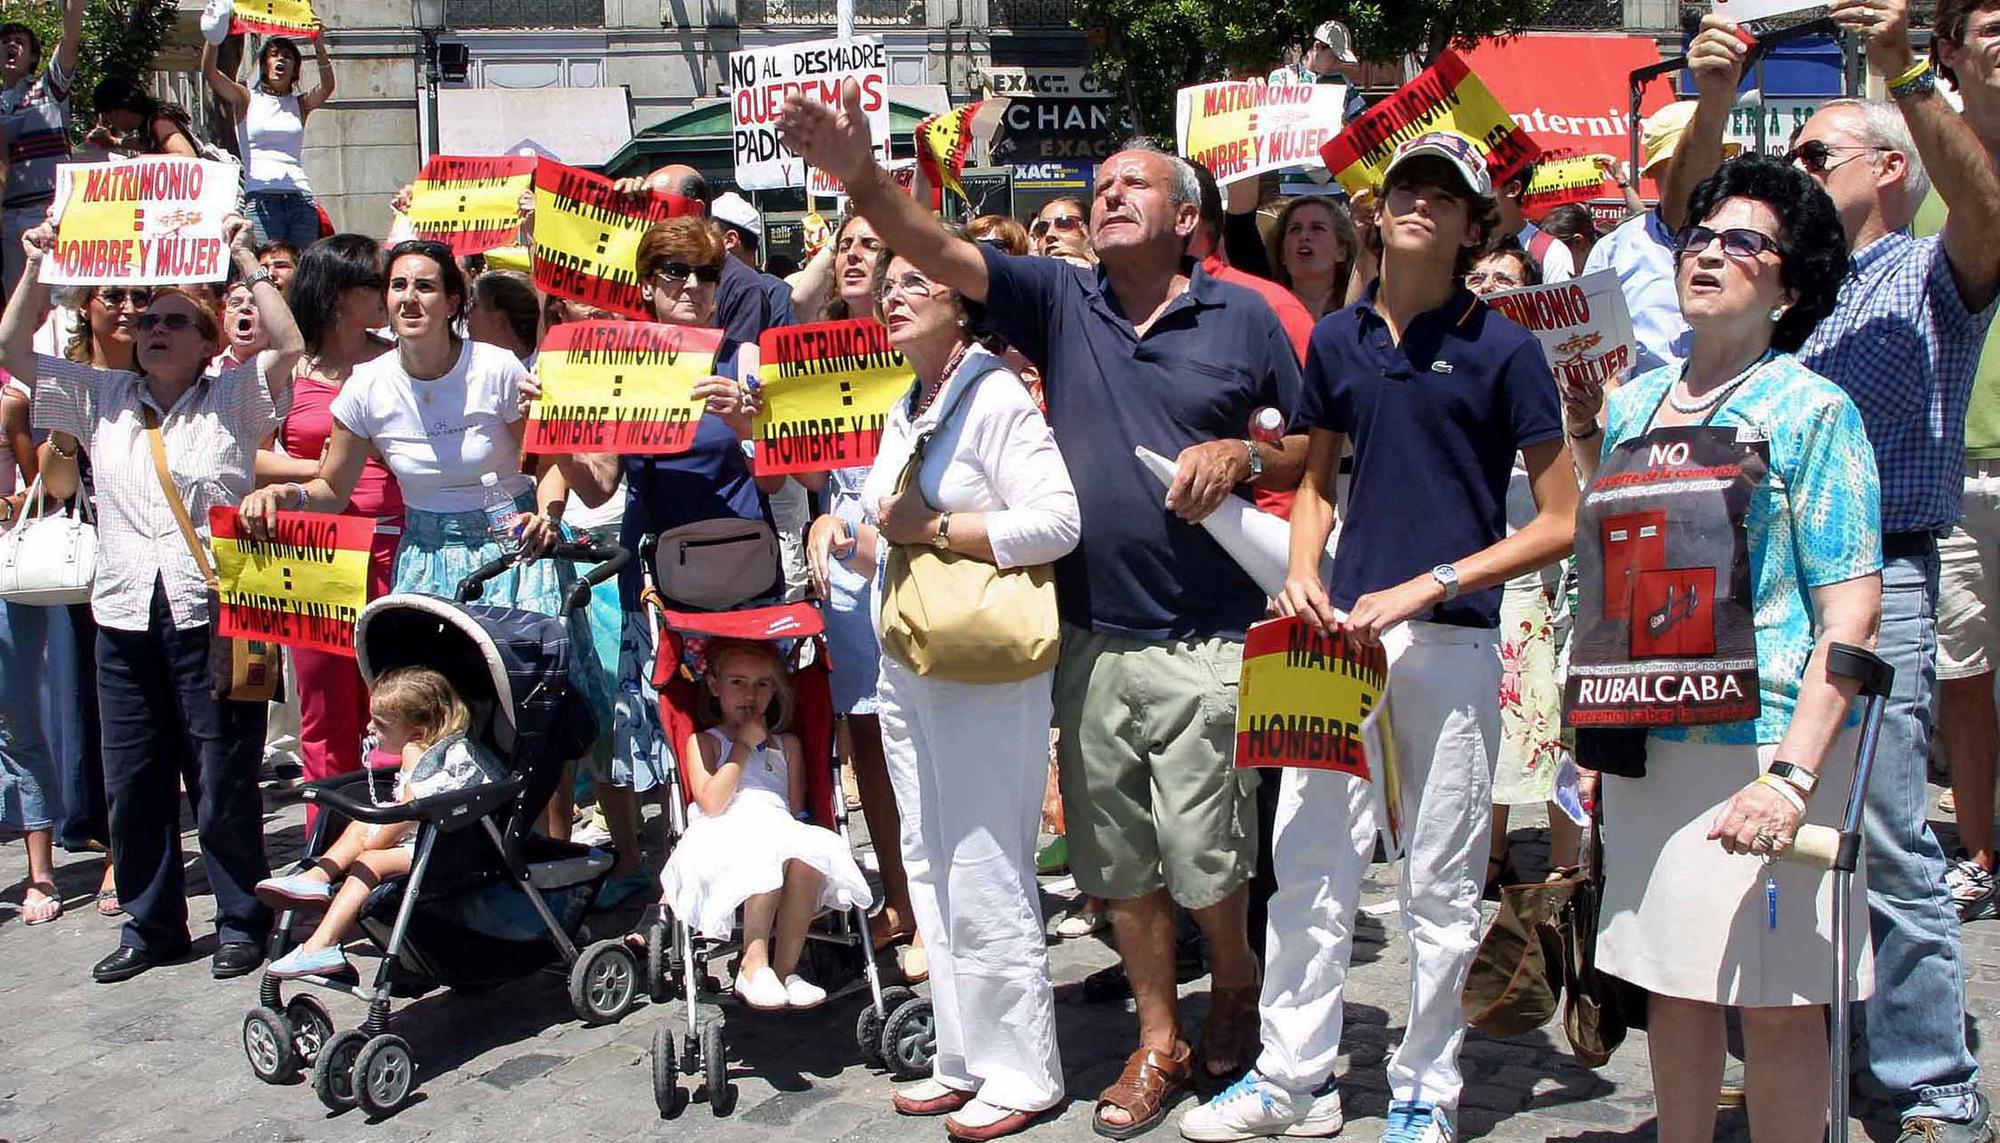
<point x="833" y="139"/>
<point x="1884" y="26"/>
<point x="1717" y="57"/>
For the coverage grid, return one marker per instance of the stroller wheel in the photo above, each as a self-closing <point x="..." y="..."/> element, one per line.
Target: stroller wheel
<point x="384" y="1073"/>
<point x="909" y="1039"/>
<point x="267" y="1041"/>
<point x="868" y="1031"/>
<point x="667" y="1093"/>
<point x="333" y="1071"/>
<point x="312" y="1027"/>
<point x="715" y="1069"/>
<point x="603" y="982"/>
<point x="659" y="962"/>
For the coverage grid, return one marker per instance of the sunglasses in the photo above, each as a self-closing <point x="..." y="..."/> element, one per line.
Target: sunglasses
<point x="674" y="273"/>
<point x="912" y="286"/>
<point x="1059" y="222"/>
<point x="1814" y="154"/>
<point x="172" y="323"/>
<point x="117" y="296"/>
<point x="1497" y="278"/>
<point x="1737" y="242"/>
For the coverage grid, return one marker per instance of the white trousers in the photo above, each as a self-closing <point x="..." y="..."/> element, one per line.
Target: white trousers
<point x="1444" y="713"/>
<point x="969" y="764"/>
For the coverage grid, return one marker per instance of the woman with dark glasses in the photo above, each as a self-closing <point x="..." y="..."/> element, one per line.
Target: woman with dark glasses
<point x="167" y="441"/>
<point x="1061" y="229"/>
<point x="1732" y="531"/>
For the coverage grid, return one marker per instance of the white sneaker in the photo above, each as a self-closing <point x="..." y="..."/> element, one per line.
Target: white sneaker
<point x="762" y="989"/>
<point x="293" y="889"/>
<point x="1254" y="1107"/>
<point x="801" y="993"/>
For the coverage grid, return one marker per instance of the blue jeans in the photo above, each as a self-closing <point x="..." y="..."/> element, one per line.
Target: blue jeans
<point x="1910" y="1041"/>
<point x="282" y="214"/>
<point x="30" y="783"/>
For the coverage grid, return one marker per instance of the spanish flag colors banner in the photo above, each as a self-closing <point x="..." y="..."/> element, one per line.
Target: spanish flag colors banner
<point x="1574" y="178"/>
<point x="827" y="388"/>
<point x="304" y="586"/>
<point x="1446" y="96"/>
<point x="470" y="204"/>
<point x="944" y="141"/>
<point x="620" y="386"/>
<point x="1239" y="129"/>
<point x="1304" y="696"/>
<point x="587" y="237"/>
<point x="293" y="18"/>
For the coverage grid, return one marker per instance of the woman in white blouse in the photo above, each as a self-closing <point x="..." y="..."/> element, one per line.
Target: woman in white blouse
<point x="966" y="759"/>
<point x="271" y="135"/>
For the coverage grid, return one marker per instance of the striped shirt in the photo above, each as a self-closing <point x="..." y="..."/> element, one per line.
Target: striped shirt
<point x="212" y="435"/>
<point x="34" y="113"/>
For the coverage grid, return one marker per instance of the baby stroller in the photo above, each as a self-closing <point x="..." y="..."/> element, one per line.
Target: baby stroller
<point x="486" y="901"/>
<point x="895" y="1027"/>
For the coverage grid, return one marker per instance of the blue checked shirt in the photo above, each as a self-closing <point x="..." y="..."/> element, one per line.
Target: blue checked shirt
<point x="1904" y="346"/>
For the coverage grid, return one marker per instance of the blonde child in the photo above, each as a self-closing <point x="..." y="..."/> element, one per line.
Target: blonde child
<point x="745" y="844"/>
<point x="413" y="712"/>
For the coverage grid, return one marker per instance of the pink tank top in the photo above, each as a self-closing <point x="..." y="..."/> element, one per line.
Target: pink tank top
<point x="304" y="436"/>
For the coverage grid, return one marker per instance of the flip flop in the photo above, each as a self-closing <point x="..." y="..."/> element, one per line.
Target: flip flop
<point x="107" y="904"/>
<point x="43" y="911"/>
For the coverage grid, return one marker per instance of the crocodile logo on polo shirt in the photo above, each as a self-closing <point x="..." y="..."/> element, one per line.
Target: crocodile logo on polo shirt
<point x="1440" y="366"/>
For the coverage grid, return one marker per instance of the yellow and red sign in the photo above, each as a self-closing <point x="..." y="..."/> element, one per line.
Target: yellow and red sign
<point x="293" y="18"/>
<point x="155" y="221"/>
<point x="587" y="237"/>
<point x="827" y="389"/>
<point x="1557" y="182"/>
<point x="304" y="586"/>
<point x="619" y="386"/>
<point x="471" y="204"/>
<point x="1445" y="96"/>
<point x="1238" y="129"/>
<point x="1304" y="696"/>
<point x="944" y="141"/>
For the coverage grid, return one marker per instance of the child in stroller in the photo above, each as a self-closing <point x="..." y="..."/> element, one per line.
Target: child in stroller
<point x="414" y="712"/>
<point x="745" y="844"/>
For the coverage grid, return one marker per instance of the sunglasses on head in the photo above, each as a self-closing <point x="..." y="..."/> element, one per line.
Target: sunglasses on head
<point x="1737" y="242"/>
<point x="1059" y="222"/>
<point x="1814" y="155"/>
<point x="674" y="273"/>
<point x="118" y="295"/>
<point x="172" y="323"/>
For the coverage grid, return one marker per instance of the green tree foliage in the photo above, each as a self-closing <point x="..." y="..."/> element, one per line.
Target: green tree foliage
<point x="1149" y="48"/>
<point x="120" y="37"/>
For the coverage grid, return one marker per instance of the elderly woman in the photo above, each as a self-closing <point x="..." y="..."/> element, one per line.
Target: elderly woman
<point x="150" y="597"/>
<point x="1732" y="532"/>
<point x="1312" y="249"/>
<point x="967" y="759"/>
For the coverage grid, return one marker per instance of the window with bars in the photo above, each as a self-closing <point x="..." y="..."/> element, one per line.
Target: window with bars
<point x="867" y="13"/>
<point x="1582" y="14"/>
<point x="1032" y="13"/>
<point x="524" y="13"/>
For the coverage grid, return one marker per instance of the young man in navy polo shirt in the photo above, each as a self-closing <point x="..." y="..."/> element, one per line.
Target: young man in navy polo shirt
<point x="1144" y="351"/>
<point x="1437" y="394"/>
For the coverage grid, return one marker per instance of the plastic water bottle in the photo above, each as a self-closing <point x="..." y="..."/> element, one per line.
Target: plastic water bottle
<point x="503" y="508"/>
<point x="1267" y="426"/>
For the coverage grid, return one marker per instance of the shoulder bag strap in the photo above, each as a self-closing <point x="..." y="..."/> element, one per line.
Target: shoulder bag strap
<point x="174" y="500"/>
<point x="923" y="439"/>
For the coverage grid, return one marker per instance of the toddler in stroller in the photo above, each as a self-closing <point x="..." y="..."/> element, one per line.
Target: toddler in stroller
<point x="745" y="844"/>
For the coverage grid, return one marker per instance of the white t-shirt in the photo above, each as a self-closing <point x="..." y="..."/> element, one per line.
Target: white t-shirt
<point x="439" y="437"/>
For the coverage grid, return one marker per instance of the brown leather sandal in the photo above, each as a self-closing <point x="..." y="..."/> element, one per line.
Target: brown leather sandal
<point x="1232" y="1030"/>
<point x="1145" y="1090"/>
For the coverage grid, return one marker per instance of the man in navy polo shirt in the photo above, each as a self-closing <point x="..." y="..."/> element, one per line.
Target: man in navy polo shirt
<point x="1144" y="351"/>
<point x="1438" y="394"/>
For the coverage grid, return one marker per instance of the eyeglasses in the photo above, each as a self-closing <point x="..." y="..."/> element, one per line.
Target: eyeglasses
<point x="1498" y="279"/>
<point x="1058" y="221"/>
<point x="172" y="323"/>
<point x="118" y="295"/>
<point x="912" y="286"/>
<point x="1737" y="242"/>
<point x="1814" y="153"/>
<point x="674" y="273"/>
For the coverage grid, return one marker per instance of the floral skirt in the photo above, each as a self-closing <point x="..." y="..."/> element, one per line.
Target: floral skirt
<point x="1531" y="738"/>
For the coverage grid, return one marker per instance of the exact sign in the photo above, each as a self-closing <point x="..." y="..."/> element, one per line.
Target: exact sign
<point x="1030" y="82"/>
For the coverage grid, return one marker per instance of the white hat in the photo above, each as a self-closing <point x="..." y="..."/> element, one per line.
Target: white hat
<point x="216" y="19"/>
<point x="1453" y="148"/>
<point x="736" y="210"/>
<point x="1334" y="35"/>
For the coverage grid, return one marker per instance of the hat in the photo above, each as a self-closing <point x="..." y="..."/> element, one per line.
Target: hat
<point x="1334" y="35"/>
<point x="1453" y="148"/>
<point x="732" y="208"/>
<point x="1660" y="136"/>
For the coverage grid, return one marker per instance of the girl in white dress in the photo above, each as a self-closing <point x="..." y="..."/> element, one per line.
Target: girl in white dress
<point x="745" y="843"/>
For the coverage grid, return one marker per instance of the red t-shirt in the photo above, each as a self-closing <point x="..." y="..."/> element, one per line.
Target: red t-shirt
<point x="1298" y="323"/>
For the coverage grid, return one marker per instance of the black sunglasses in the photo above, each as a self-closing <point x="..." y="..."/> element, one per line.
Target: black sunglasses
<point x="1737" y="242"/>
<point x="115" y="296"/>
<point x="172" y="323"/>
<point x="675" y="273"/>
<point x="1060" y="222"/>
<point x="1813" y="155"/>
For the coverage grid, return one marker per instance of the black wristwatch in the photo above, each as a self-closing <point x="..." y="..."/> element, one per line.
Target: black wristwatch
<point x="1795" y="776"/>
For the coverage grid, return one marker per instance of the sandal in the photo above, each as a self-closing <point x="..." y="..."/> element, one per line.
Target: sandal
<point x="1231" y="1034"/>
<point x="41" y="912"/>
<point x="107" y="903"/>
<point x="1145" y="1090"/>
<point x="914" y="963"/>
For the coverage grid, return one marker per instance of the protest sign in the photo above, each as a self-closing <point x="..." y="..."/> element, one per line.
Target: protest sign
<point x="587" y="237"/>
<point x="1583" y="325"/>
<point x="155" y="221"/>
<point x="292" y="18"/>
<point x="821" y="183"/>
<point x="761" y="79"/>
<point x="1560" y="181"/>
<point x="1445" y="96"/>
<point x="1303" y="696"/>
<point x="827" y="391"/>
<point x="620" y="386"/>
<point x="1759" y="15"/>
<point x="945" y="141"/>
<point x="1239" y="130"/>
<point x="304" y="586"/>
<point x="471" y="204"/>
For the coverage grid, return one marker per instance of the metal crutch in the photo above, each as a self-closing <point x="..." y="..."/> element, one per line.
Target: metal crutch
<point x="1840" y="851"/>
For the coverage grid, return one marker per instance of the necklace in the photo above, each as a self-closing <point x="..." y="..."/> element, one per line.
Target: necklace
<point x="1715" y="398"/>
<point x="922" y="401"/>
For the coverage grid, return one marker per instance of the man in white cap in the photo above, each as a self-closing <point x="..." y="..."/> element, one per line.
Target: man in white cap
<point x="1422" y="378"/>
<point x="742" y="233"/>
<point x="1328" y="58"/>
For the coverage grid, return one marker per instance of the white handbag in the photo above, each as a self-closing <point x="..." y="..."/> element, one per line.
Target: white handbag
<point x="48" y="560"/>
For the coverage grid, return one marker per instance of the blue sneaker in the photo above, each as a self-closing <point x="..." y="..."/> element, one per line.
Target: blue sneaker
<point x="1412" y="1122"/>
<point x="1253" y="1107"/>
<point x="299" y="962"/>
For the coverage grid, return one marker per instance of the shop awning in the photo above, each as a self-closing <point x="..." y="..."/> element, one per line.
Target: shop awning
<point x="1570" y="91"/>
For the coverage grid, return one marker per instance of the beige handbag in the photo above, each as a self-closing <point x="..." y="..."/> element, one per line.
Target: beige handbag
<point x="961" y="619"/>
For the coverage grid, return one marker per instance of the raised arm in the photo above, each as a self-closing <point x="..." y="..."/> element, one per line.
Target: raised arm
<point x="72" y="37"/>
<point x="286" y="341"/>
<point x="312" y="100"/>
<point x="230" y="92"/>
<point x="1716" y="57"/>
<point x="837" y="141"/>
<point x="24" y="308"/>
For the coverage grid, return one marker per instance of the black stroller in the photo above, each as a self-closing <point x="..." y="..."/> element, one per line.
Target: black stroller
<point x="486" y="900"/>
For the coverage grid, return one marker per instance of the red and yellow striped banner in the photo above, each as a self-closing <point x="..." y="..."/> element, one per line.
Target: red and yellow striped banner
<point x="305" y="586"/>
<point x="275" y="18"/>
<point x="827" y="388"/>
<point x="944" y="141"/>
<point x="619" y="386"/>
<point x="587" y="237"/>
<point x="1303" y="697"/>
<point x="471" y="204"/>
<point x="1445" y="96"/>
<point x="1558" y="182"/>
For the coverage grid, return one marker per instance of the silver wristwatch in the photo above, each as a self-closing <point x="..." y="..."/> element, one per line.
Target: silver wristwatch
<point x="1795" y="776"/>
<point x="1447" y="577"/>
<point x="1256" y="461"/>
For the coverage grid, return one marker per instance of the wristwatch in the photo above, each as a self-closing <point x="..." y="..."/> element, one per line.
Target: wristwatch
<point x="942" y="540"/>
<point x="260" y="276"/>
<point x="1796" y="776"/>
<point x="1447" y="577"/>
<point x="1256" y="461"/>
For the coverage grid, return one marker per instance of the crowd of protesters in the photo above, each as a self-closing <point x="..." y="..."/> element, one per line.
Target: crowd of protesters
<point x="1816" y="324"/>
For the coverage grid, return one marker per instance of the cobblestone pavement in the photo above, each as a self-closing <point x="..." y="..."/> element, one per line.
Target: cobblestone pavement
<point x="159" y="1057"/>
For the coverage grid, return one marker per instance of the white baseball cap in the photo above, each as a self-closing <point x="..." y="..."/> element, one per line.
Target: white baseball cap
<point x="736" y="210"/>
<point x="1335" y="35"/>
<point x="1453" y="148"/>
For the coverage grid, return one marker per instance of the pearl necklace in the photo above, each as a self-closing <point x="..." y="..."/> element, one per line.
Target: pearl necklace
<point x="1721" y="391"/>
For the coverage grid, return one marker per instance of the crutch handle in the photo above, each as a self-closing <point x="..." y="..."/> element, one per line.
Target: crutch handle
<point x="1815" y="845"/>
<point x="1846" y="661"/>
